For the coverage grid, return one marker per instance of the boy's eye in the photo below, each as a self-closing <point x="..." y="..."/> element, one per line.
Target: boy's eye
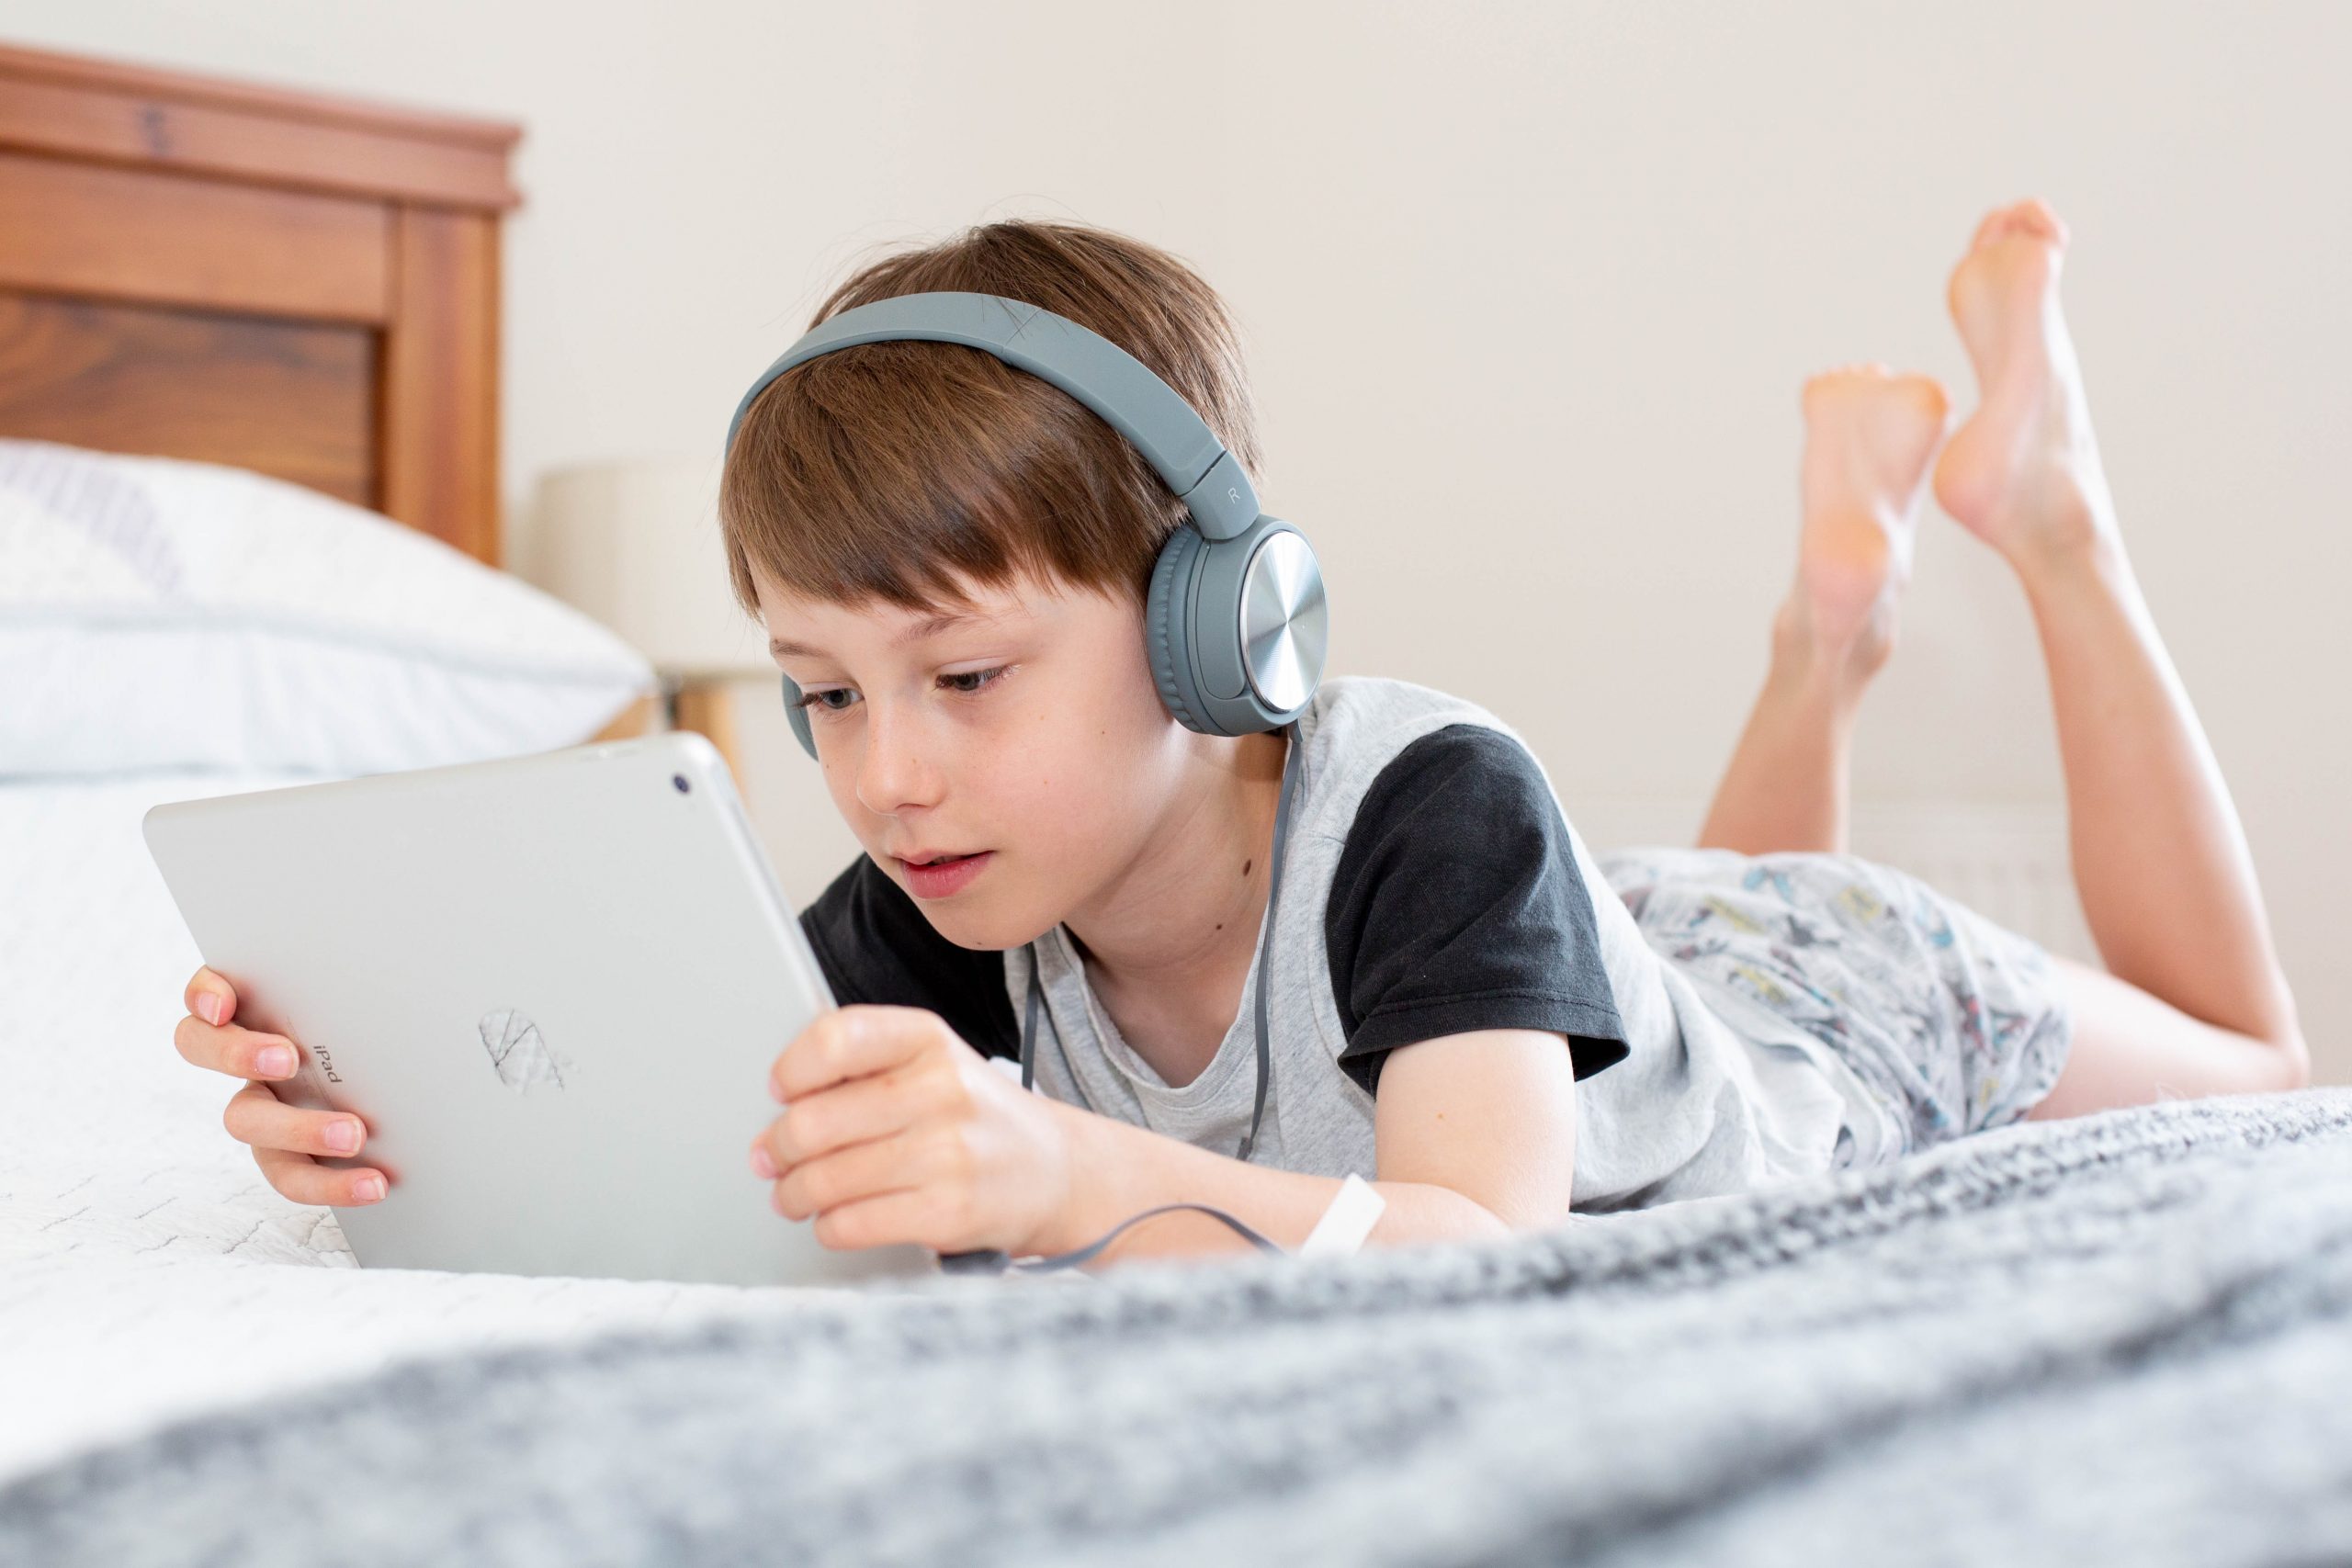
<point x="817" y="699"/>
<point x="964" y="682"/>
<point x="980" y="678"/>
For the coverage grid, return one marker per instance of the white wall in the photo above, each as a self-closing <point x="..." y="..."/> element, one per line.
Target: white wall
<point x="1531" y="289"/>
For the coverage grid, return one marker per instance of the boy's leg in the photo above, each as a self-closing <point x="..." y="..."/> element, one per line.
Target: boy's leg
<point x="2195" y="1001"/>
<point x="2129" y="1047"/>
<point x="1868" y="434"/>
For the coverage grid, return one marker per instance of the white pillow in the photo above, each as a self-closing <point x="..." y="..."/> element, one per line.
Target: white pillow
<point x="160" y="613"/>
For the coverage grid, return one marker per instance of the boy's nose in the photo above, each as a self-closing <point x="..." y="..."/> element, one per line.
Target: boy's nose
<point x="893" y="772"/>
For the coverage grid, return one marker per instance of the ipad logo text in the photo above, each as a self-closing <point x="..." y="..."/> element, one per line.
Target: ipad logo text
<point x="327" y="1064"/>
<point x="518" y="1052"/>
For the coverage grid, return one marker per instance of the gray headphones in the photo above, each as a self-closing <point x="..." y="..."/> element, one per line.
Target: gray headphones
<point x="1234" y="624"/>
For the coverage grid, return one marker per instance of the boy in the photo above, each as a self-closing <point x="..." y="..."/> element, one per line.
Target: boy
<point x="950" y="556"/>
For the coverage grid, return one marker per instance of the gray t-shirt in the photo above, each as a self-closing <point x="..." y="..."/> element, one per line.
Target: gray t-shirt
<point x="1432" y="887"/>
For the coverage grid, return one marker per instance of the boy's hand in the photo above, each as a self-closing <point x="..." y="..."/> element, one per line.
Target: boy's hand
<point x="895" y="1130"/>
<point x="285" y="1139"/>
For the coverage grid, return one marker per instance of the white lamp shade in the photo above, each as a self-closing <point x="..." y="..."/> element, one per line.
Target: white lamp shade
<point x="637" y="545"/>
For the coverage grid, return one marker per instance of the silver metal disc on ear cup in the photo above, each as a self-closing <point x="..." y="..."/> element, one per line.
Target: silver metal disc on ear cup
<point x="1237" y="628"/>
<point x="1285" y="624"/>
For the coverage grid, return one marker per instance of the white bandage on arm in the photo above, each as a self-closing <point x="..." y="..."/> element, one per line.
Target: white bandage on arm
<point x="1354" y="1210"/>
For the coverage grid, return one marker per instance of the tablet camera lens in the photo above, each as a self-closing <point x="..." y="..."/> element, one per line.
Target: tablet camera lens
<point x="679" y="779"/>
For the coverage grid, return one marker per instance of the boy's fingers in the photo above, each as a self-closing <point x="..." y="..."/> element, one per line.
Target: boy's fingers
<point x="210" y="997"/>
<point x="258" y="1117"/>
<point x="882" y="1220"/>
<point x="305" y="1180"/>
<point x="851" y="1042"/>
<point x="854" y="1112"/>
<point x="237" y="1051"/>
<point x="849" y="1175"/>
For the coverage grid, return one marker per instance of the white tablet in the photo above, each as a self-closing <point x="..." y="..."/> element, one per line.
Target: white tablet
<point x="552" y="985"/>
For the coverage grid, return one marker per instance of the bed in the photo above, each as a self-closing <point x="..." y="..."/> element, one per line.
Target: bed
<point x="2124" y="1338"/>
<point x="303" y="288"/>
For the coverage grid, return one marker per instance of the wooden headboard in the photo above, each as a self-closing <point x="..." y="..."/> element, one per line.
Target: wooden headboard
<point x="297" y="283"/>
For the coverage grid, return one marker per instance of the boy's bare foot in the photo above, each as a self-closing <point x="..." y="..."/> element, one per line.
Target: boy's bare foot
<point x="1869" y="434"/>
<point x="2023" y="473"/>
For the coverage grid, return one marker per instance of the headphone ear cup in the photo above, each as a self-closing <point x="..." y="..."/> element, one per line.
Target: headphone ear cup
<point x="798" y="717"/>
<point x="1166" y="638"/>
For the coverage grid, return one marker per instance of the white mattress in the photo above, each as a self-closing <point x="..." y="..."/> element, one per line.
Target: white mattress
<point x="146" y="1270"/>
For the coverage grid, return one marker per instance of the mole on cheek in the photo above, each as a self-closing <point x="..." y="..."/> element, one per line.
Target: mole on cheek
<point x="1247" y="864"/>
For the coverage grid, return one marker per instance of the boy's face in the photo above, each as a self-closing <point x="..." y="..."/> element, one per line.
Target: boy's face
<point x="1027" y="732"/>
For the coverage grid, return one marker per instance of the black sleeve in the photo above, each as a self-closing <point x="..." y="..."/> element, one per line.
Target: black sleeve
<point x="1457" y="906"/>
<point x="874" y="946"/>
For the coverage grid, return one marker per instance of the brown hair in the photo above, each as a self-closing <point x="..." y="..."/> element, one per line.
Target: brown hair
<point x="888" y="470"/>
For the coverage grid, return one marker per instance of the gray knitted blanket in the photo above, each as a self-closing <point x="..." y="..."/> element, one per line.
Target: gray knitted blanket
<point x="2124" y="1338"/>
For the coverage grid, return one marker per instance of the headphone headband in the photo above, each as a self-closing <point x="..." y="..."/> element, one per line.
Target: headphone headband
<point x="1116" y="385"/>
<point x="1234" y="624"/>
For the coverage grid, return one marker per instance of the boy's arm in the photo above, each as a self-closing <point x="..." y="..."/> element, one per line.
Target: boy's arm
<point x="1476" y="1137"/>
<point x="894" y="1129"/>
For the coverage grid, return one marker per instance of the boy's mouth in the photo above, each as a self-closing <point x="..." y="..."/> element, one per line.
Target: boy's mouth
<point x="939" y="875"/>
<point x="940" y="859"/>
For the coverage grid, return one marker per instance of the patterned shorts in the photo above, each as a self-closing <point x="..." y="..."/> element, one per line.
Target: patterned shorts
<point x="1959" y="1025"/>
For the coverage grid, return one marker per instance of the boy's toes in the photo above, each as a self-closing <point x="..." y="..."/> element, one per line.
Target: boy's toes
<point x="2031" y="217"/>
<point x="2035" y="216"/>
